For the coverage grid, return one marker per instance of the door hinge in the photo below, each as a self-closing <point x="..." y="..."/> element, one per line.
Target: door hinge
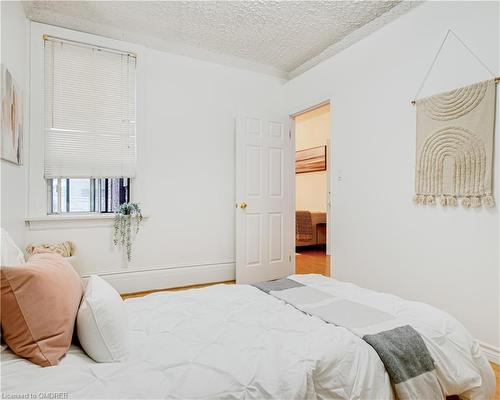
<point x="289" y="258"/>
<point x="290" y="134"/>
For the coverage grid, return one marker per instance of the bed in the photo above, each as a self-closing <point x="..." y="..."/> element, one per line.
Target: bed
<point x="235" y="342"/>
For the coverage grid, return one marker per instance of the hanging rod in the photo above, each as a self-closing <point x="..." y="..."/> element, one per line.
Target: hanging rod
<point x="497" y="79"/>
<point x="46" y="37"/>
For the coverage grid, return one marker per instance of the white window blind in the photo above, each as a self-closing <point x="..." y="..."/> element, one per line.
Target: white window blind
<point x="89" y="111"/>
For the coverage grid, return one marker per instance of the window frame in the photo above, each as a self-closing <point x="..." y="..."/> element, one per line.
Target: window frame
<point x="99" y="202"/>
<point x="37" y="205"/>
<point x="95" y="196"/>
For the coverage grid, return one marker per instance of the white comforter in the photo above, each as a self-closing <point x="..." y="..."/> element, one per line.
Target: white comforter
<point x="235" y="342"/>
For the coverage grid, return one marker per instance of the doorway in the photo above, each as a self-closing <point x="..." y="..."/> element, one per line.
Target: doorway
<point x="312" y="190"/>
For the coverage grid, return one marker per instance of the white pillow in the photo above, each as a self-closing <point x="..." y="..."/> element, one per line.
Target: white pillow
<point x="102" y="323"/>
<point x="11" y="255"/>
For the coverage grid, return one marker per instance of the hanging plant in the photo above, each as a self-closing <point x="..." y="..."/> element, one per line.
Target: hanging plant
<point x="128" y="219"/>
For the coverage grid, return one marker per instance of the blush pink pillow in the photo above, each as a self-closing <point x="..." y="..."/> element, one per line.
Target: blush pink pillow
<point x="40" y="301"/>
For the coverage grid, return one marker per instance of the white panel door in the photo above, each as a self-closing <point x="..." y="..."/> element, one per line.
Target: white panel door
<point x="328" y="198"/>
<point x="264" y="213"/>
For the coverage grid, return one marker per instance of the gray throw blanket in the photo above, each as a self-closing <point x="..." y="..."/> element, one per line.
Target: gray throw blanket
<point x="303" y="226"/>
<point x="400" y="347"/>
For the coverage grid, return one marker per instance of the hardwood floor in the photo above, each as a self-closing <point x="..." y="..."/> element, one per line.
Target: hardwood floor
<point x="312" y="261"/>
<point x="496" y="368"/>
<point x="146" y="292"/>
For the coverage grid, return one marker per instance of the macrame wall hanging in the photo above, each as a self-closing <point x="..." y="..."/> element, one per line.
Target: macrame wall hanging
<point x="455" y="130"/>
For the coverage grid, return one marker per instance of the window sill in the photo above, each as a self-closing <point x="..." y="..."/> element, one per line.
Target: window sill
<point x="76" y="221"/>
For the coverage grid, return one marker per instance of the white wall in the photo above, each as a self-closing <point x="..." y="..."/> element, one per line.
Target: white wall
<point x="311" y="191"/>
<point x="312" y="129"/>
<point x="15" y="56"/>
<point x="448" y="258"/>
<point x="185" y="178"/>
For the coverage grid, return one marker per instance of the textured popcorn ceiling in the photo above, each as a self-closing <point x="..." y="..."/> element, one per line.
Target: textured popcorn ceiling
<point x="282" y="38"/>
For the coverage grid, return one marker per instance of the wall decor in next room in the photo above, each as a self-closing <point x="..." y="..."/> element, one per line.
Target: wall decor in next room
<point x="310" y="160"/>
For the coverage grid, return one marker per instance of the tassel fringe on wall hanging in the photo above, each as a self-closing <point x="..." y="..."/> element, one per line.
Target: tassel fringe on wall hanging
<point x="454" y="160"/>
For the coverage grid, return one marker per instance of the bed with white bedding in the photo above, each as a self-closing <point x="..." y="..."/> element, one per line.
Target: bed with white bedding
<point x="235" y="342"/>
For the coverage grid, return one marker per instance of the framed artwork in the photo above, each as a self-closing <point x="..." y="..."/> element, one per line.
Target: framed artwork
<point x="11" y="139"/>
<point x="310" y="160"/>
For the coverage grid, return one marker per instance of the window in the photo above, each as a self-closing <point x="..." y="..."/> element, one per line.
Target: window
<point x="89" y="134"/>
<point x="87" y="195"/>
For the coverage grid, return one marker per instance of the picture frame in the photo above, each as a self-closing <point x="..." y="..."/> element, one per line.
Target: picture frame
<point x="310" y="160"/>
<point x="11" y="118"/>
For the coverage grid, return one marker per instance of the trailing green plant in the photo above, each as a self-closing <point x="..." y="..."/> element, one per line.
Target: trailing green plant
<point x="128" y="218"/>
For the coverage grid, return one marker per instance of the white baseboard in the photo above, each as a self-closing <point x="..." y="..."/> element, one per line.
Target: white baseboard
<point x="168" y="277"/>
<point x="492" y="353"/>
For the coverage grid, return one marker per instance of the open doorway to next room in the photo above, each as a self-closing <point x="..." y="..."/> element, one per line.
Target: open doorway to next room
<point x="312" y="197"/>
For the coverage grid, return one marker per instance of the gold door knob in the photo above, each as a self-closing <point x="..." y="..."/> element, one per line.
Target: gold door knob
<point x="243" y="205"/>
